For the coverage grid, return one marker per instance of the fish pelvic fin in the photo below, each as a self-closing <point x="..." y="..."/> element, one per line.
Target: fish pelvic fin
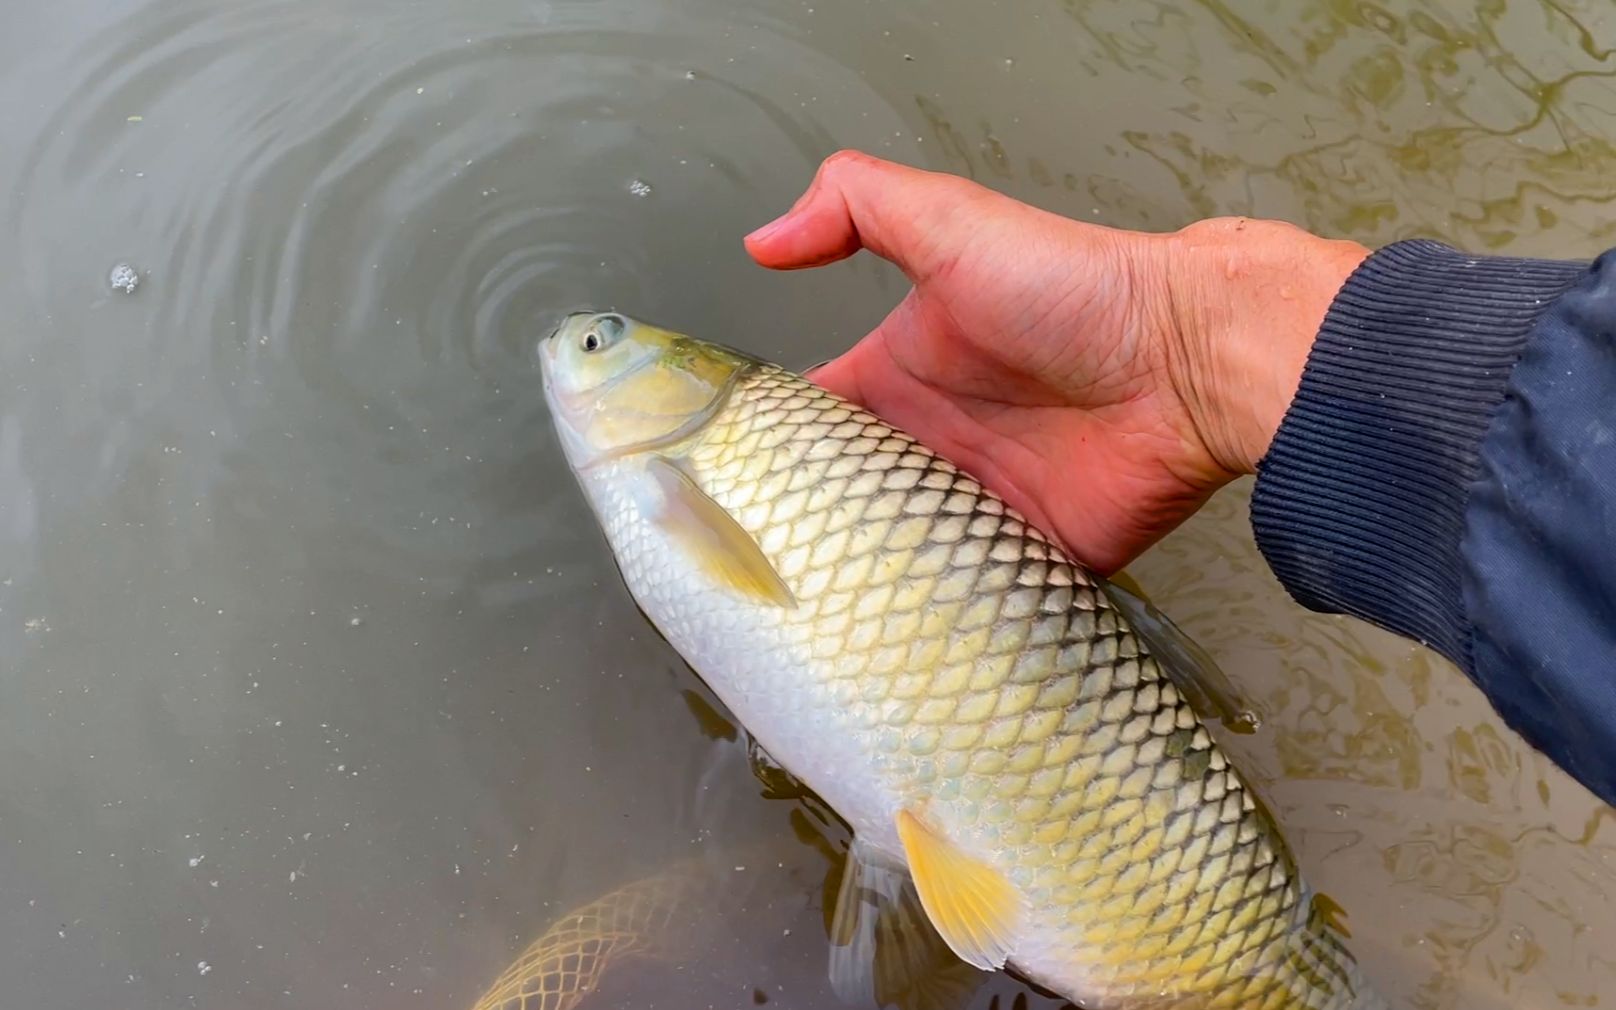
<point x="976" y="910"/>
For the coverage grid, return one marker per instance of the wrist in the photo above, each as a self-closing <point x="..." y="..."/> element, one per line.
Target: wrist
<point x="1248" y="298"/>
<point x="1371" y="486"/>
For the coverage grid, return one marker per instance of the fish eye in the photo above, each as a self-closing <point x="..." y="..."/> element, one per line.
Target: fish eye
<point x="603" y="331"/>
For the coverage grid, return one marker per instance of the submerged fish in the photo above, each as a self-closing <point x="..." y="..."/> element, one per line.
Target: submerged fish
<point x="663" y="923"/>
<point x="566" y="963"/>
<point x="1017" y="744"/>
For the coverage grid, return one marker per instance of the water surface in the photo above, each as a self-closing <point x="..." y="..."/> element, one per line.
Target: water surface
<point x="317" y="686"/>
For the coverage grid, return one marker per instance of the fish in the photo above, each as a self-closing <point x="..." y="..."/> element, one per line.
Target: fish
<point x="662" y="923"/>
<point x="1020" y="747"/>
<point x="567" y="962"/>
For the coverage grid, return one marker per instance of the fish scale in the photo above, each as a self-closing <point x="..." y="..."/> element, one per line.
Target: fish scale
<point x="941" y="656"/>
<point x="1045" y="727"/>
<point x="566" y="963"/>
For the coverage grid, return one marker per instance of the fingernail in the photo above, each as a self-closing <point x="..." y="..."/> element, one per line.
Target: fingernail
<point x="769" y="229"/>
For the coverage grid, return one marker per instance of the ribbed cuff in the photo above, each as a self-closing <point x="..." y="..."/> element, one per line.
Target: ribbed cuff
<point x="1359" y="504"/>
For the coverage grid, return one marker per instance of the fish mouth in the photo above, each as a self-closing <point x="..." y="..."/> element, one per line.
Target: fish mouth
<point x="546" y="348"/>
<point x="546" y="351"/>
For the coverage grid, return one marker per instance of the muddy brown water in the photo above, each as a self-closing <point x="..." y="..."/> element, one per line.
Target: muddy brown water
<point x="317" y="687"/>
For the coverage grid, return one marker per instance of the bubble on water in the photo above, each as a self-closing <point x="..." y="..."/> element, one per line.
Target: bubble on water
<point x="640" y="188"/>
<point x="690" y="75"/>
<point x="196" y="861"/>
<point x="124" y="278"/>
<point x="202" y="967"/>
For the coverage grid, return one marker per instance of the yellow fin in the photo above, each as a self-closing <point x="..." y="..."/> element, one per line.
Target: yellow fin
<point x="713" y="539"/>
<point x="1128" y="583"/>
<point x="976" y="911"/>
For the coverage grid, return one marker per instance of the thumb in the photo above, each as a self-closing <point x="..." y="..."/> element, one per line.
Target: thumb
<point x="860" y="202"/>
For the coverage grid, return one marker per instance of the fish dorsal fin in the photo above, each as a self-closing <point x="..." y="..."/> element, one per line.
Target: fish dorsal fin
<point x="712" y="539"/>
<point x="1193" y="671"/>
<point x="884" y="950"/>
<point x="975" y="909"/>
<point x="1330" y="914"/>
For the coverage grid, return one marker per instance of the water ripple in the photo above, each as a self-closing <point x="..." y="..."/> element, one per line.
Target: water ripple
<point x="374" y="232"/>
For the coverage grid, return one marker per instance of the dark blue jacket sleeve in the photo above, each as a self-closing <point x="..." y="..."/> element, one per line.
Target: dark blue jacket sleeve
<point x="1447" y="471"/>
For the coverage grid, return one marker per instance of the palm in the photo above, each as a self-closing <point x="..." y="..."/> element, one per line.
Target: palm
<point x="1104" y="382"/>
<point x="1073" y="432"/>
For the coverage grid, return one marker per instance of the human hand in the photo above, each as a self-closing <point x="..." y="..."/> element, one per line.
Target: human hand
<point x="1104" y="382"/>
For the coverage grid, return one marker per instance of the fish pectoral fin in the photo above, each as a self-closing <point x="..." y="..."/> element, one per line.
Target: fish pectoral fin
<point x="884" y="950"/>
<point x="1191" y="668"/>
<point x="976" y="910"/>
<point x="712" y="538"/>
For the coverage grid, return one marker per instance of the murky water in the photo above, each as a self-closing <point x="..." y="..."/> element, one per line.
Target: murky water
<point x="317" y="687"/>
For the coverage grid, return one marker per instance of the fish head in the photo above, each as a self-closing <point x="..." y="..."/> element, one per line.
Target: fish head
<point x="617" y="386"/>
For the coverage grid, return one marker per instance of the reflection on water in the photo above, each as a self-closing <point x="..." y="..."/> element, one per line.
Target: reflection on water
<point x="319" y="688"/>
<point x="1486" y="124"/>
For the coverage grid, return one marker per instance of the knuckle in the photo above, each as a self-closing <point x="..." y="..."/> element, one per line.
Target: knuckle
<point x="845" y="161"/>
<point x="848" y="156"/>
